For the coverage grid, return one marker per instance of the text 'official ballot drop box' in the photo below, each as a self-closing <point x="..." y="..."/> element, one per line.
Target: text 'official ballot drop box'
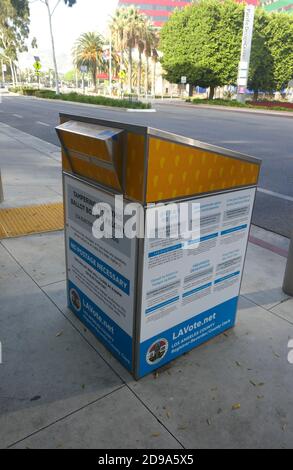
<point x="149" y="299"/>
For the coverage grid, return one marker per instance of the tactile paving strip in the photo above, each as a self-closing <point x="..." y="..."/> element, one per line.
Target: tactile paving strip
<point x="18" y="221"/>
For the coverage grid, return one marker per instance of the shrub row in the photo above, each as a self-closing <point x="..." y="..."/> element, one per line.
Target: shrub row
<point x="273" y="105"/>
<point x="76" y="97"/>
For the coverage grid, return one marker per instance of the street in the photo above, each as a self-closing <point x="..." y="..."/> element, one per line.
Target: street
<point x="266" y="137"/>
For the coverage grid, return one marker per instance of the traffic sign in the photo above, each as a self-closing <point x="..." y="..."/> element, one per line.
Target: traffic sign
<point x="37" y="66"/>
<point x="183" y="80"/>
<point x="122" y="75"/>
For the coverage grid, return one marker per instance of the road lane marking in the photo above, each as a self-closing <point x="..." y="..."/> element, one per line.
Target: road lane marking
<point x="42" y="123"/>
<point x="18" y="116"/>
<point x="273" y="193"/>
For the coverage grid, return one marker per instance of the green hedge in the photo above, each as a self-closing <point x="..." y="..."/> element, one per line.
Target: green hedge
<point x="237" y="104"/>
<point x="218" y="101"/>
<point x="76" y="97"/>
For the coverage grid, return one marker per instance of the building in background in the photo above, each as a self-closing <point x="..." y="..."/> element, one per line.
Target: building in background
<point x="285" y="6"/>
<point x="159" y="10"/>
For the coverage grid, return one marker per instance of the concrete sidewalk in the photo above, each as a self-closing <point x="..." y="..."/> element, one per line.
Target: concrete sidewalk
<point x="60" y="388"/>
<point x="30" y="169"/>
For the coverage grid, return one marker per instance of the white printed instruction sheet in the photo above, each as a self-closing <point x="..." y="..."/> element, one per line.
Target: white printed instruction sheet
<point x="180" y="281"/>
<point x="101" y="272"/>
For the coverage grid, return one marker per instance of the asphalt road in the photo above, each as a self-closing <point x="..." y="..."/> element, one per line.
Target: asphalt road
<point x="266" y="137"/>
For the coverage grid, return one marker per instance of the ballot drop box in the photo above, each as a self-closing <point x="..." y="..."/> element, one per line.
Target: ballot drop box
<point x="151" y="297"/>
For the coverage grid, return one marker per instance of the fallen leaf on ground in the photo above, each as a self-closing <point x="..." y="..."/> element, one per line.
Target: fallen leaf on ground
<point x="236" y="406"/>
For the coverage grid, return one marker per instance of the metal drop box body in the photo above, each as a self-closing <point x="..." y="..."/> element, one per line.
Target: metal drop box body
<point x="150" y="299"/>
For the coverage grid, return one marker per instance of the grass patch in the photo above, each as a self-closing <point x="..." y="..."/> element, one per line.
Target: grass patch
<point x="236" y="104"/>
<point x="78" y="98"/>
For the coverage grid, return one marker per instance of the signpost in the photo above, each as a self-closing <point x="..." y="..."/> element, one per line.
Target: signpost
<point x="245" y="52"/>
<point x="108" y="58"/>
<point x="83" y="69"/>
<point x="37" y="66"/>
<point x="122" y="77"/>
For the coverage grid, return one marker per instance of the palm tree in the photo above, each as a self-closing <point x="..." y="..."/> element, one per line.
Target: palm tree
<point x="88" y="50"/>
<point x="118" y="32"/>
<point x="143" y="25"/>
<point x="131" y="29"/>
<point x="155" y="57"/>
<point x="140" y="46"/>
<point x="151" y="42"/>
<point x="133" y="22"/>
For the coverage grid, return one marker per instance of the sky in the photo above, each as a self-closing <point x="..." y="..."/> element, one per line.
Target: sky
<point x="68" y="24"/>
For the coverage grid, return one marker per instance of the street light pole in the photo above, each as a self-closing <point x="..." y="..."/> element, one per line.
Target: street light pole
<point x="52" y="43"/>
<point x="243" y="67"/>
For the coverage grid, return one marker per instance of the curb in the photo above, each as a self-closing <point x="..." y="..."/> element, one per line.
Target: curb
<point x="47" y="148"/>
<point x="132" y="110"/>
<point x="284" y="114"/>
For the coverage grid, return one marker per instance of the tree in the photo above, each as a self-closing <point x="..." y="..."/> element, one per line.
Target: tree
<point x="129" y="29"/>
<point x="279" y="39"/>
<point x="142" y="30"/>
<point x="70" y="76"/>
<point x="50" y="14"/>
<point x="118" y="34"/>
<point x="203" y="42"/>
<point x="14" y="30"/>
<point x="88" y="51"/>
<point x="133" y="24"/>
<point x="51" y="11"/>
<point x="261" y="69"/>
<point x="151" y="42"/>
